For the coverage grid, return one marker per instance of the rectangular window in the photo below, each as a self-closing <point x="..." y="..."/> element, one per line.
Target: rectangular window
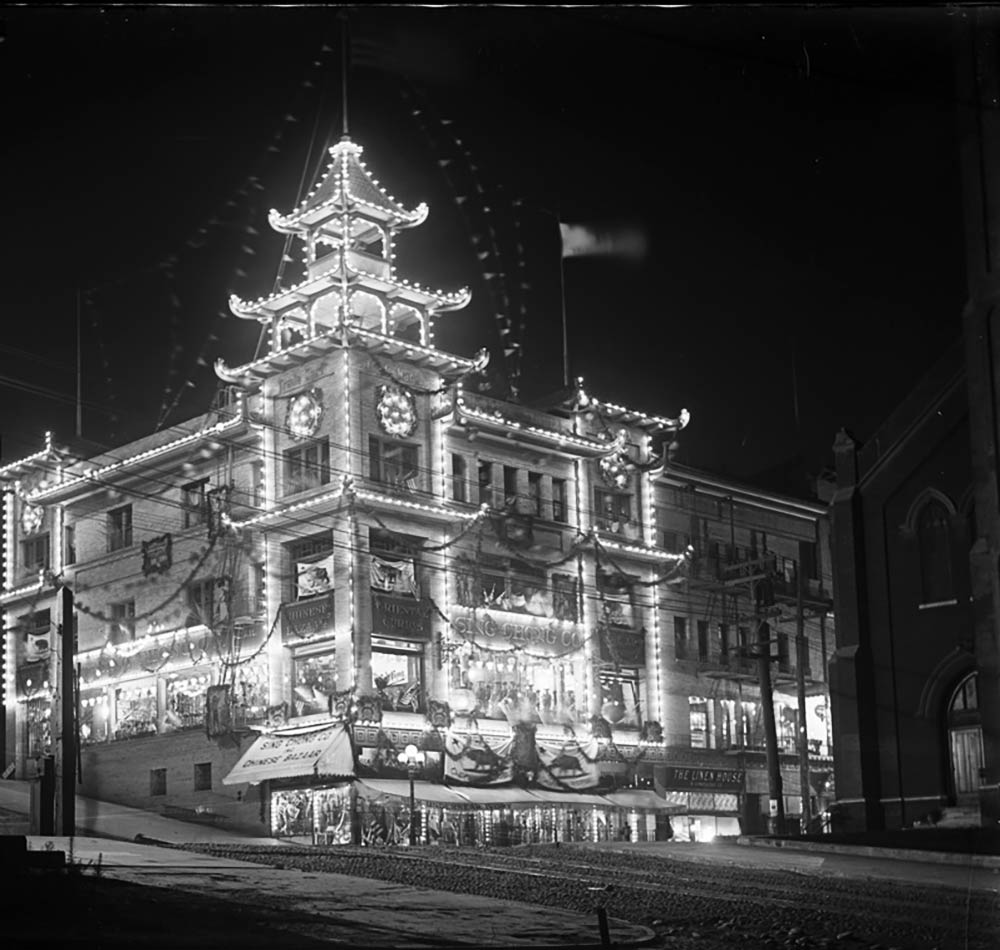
<point x="509" y="485"/>
<point x="122" y="617"/>
<point x="670" y="542"/>
<point x="205" y="601"/>
<point x="459" y="474"/>
<point x="620" y="698"/>
<point x="535" y="493"/>
<point x="194" y="502"/>
<point x="702" y="639"/>
<point x="393" y="463"/>
<point x="120" y="528"/>
<point x="564" y="597"/>
<point x="614" y="591"/>
<point x="69" y="544"/>
<point x="35" y="553"/>
<point x="680" y="638"/>
<point x="397" y="671"/>
<point x="157" y="781"/>
<point x="306" y="466"/>
<point x="203" y="776"/>
<point x="314" y="678"/>
<point x="743" y="648"/>
<point x="613" y="510"/>
<point x="559" y="509"/>
<point x="724" y="643"/>
<point x="486" y="483"/>
<point x="699" y="721"/>
<point x="312" y="566"/>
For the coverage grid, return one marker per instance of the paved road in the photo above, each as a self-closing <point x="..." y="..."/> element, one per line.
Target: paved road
<point x="930" y="873"/>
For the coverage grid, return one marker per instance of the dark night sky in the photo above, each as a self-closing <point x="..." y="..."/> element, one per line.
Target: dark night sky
<point x="796" y="172"/>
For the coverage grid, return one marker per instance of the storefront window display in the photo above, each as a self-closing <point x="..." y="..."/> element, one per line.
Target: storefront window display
<point x="510" y="586"/>
<point x="250" y="691"/>
<point x="322" y="815"/>
<point x="186" y="695"/>
<point x="397" y="672"/>
<point x="519" y="687"/>
<point x="38" y="722"/>
<point x="135" y="706"/>
<point x="95" y="717"/>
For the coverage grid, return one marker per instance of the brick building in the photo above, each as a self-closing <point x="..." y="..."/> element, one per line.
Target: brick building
<point x="358" y="570"/>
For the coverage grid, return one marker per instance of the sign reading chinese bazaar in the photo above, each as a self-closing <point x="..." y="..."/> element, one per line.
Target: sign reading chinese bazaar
<point x="400" y="617"/>
<point x="307" y="617"/>
<point x="499" y="631"/>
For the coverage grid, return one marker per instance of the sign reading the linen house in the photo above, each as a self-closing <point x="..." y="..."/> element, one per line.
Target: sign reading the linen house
<point x="695" y="777"/>
<point x="501" y="631"/>
<point x="400" y="617"/>
<point x="305" y="618"/>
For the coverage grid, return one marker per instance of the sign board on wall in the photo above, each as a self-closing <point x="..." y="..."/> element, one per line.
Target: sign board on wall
<point x="702" y="777"/>
<point x="500" y="630"/>
<point x="400" y="617"/>
<point x="304" y="618"/>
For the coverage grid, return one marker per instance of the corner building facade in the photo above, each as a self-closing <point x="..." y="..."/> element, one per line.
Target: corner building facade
<point x="359" y="582"/>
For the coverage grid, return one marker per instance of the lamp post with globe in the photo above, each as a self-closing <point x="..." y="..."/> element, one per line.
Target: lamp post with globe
<point x="413" y="759"/>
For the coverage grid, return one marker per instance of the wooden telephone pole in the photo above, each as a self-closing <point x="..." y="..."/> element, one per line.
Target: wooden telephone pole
<point x="65" y="715"/>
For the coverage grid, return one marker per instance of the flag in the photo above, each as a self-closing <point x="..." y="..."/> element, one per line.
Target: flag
<point x="582" y="240"/>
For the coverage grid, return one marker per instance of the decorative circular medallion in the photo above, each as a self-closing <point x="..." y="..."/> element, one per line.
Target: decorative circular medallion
<point x="31" y="518"/>
<point x="304" y="414"/>
<point x="397" y="411"/>
<point x="614" y="470"/>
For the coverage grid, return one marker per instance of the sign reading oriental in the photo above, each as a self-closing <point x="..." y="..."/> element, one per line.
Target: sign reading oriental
<point x="400" y="617"/>
<point x="502" y="632"/>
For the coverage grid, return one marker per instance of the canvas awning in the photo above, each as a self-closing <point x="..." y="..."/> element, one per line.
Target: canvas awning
<point x="642" y="798"/>
<point x="547" y="796"/>
<point x="496" y="795"/>
<point x="318" y="751"/>
<point x="429" y="792"/>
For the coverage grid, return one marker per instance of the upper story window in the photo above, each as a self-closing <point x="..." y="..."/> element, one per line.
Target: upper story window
<point x="306" y="466"/>
<point x="559" y="507"/>
<point x="612" y="510"/>
<point x="459" y="478"/>
<point x="35" y="553"/>
<point x="194" y="501"/>
<point x="120" y="528"/>
<point x="934" y="544"/>
<point x="509" y="485"/>
<point x="207" y="600"/>
<point x="485" y="483"/>
<point x="312" y="560"/>
<point x="535" y="493"/>
<point x="504" y="585"/>
<point x="615" y="592"/>
<point x="69" y="544"/>
<point x="393" y="463"/>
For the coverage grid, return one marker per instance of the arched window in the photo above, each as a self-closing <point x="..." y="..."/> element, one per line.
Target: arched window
<point x="934" y="542"/>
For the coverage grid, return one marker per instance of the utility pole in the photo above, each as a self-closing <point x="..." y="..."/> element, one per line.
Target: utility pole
<point x="65" y="701"/>
<point x="776" y="804"/>
<point x="801" y="656"/>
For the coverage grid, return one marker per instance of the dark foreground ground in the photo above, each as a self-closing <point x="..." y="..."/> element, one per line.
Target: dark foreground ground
<point x="688" y="904"/>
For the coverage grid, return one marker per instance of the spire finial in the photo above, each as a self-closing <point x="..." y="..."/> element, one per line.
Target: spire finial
<point x="345" y="53"/>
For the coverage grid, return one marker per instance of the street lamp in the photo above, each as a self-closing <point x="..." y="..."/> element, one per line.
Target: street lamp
<point x="413" y="759"/>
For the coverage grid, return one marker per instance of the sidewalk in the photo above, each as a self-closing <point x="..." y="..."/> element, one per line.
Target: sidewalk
<point x="352" y="911"/>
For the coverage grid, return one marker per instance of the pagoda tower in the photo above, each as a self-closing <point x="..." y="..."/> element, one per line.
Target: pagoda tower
<point x="348" y="225"/>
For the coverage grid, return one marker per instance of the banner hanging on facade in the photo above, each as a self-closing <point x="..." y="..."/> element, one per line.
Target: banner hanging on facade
<point x="568" y="765"/>
<point x="474" y="760"/>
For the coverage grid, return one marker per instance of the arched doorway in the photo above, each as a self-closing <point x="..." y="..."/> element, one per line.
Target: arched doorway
<point x="965" y="740"/>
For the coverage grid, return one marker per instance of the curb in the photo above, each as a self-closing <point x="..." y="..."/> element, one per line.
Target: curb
<point x="868" y="851"/>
